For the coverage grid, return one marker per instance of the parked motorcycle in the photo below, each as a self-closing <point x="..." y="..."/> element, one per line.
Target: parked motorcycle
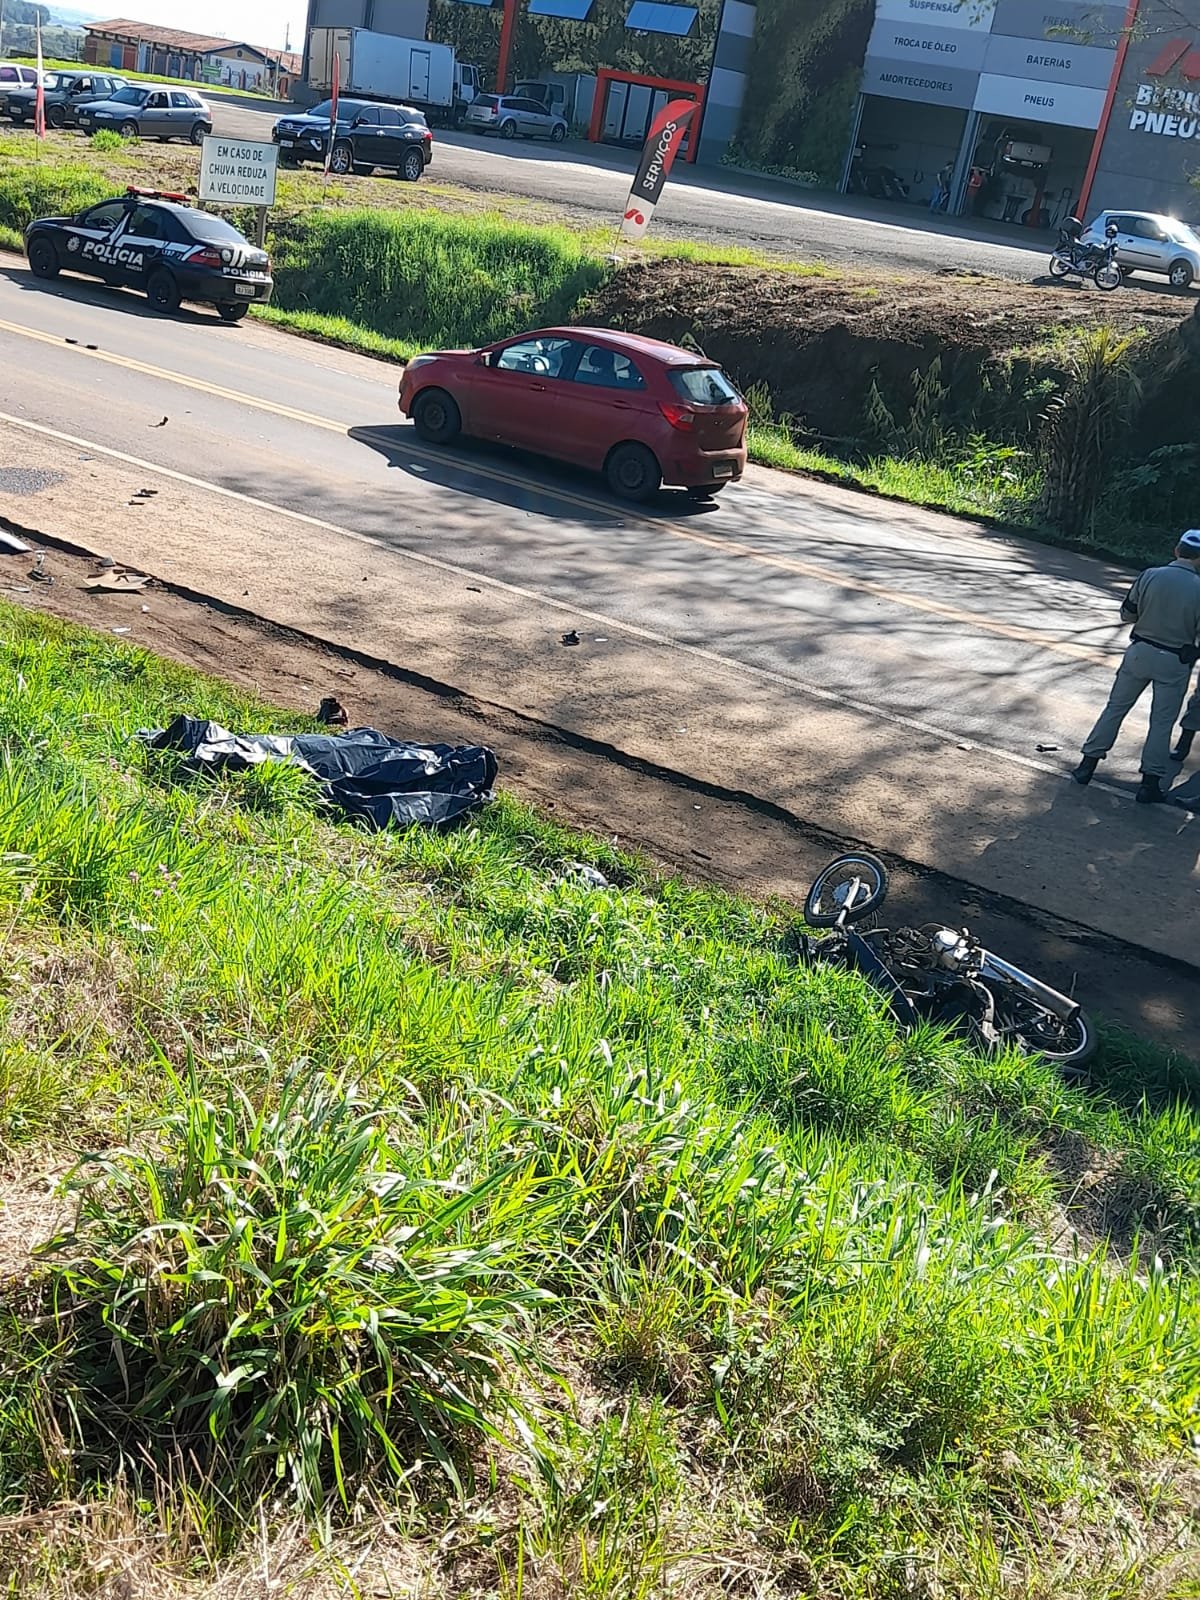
<point x="880" y="183"/>
<point x="938" y="974"/>
<point x="1071" y="257"/>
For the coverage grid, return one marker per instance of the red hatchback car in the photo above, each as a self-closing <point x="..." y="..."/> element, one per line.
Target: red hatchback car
<point x="641" y="412"/>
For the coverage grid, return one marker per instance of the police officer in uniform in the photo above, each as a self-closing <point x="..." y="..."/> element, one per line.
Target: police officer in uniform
<point x="1164" y="608"/>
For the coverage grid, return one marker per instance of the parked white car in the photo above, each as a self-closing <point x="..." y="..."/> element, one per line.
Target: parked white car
<point x="1147" y="242"/>
<point x="511" y="114"/>
<point x="16" y="75"/>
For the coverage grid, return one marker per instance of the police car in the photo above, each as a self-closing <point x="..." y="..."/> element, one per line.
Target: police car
<point x="146" y="239"/>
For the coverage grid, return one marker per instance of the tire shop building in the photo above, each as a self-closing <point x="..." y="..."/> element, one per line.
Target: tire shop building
<point x="995" y="106"/>
<point x="1019" y="112"/>
<point x="1148" y="151"/>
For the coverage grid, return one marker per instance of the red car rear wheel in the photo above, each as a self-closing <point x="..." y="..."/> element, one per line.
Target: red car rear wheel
<point x="633" y="472"/>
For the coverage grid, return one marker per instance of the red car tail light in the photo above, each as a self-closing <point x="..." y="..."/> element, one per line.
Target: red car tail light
<point x="681" y="417"/>
<point x="206" y="258"/>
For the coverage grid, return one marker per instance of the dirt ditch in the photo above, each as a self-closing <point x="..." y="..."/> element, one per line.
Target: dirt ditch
<point x="818" y="343"/>
<point x="700" y="831"/>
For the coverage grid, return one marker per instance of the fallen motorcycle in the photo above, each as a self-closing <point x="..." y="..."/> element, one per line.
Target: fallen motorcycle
<point x="1073" y="258"/>
<point x="938" y="974"/>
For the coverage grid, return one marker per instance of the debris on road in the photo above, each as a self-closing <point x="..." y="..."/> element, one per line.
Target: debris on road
<point x="332" y="713"/>
<point x="591" y="876"/>
<point x="161" y="424"/>
<point x="118" y="630"/>
<point x="571" y="638"/>
<point x="1045" y="749"/>
<point x="10" y="545"/>
<point x="36" y="573"/>
<point x="118" y="583"/>
<point x="371" y="778"/>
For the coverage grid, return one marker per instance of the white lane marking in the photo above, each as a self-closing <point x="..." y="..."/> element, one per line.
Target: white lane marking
<point x="633" y="630"/>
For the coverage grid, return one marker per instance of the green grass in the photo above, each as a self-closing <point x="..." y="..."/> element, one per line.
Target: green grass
<point x="975" y="481"/>
<point x="413" y="1161"/>
<point x="432" y="279"/>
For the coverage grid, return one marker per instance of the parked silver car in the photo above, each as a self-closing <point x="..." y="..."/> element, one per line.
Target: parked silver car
<point x="1147" y="242"/>
<point x="150" y="111"/>
<point x="510" y="115"/>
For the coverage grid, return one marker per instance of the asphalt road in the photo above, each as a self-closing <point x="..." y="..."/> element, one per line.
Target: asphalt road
<point x="903" y="678"/>
<point x="592" y="183"/>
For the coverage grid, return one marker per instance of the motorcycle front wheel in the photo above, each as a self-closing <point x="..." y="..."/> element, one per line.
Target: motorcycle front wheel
<point x="829" y="896"/>
<point x="1108" y="277"/>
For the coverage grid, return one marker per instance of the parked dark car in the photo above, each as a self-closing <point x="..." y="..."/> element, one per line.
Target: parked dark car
<point x="641" y="412"/>
<point x="369" y="134"/>
<point x="150" y="111"/>
<point x="144" y="239"/>
<point x="65" y="94"/>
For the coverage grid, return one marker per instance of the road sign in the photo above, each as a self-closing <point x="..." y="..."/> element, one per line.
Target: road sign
<point x="238" y="172"/>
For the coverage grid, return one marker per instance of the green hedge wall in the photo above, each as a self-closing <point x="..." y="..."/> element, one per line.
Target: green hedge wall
<point x="803" y="79"/>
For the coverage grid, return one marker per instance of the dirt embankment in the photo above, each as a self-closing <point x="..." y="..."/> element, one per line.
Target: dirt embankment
<point x="818" y="343"/>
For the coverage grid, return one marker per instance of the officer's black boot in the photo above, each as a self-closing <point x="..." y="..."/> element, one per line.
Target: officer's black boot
<point x="1150" y="790"/>
<point x="1086" y="770"/>
<point x="1183" y="745"/>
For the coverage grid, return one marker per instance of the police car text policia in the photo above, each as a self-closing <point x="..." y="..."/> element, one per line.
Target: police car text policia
<point x="148" y="240"/>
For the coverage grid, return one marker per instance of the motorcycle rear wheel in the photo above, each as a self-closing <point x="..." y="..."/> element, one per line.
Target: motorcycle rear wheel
<point x="827" y="897"/>
<point x="1068" y="1044"/>
<point x="1058" y="267"/>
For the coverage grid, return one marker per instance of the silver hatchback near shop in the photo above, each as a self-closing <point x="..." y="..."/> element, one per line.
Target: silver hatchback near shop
<point x="150" y="111"/>
<point x="1147" y="242"/>
<point x="511" y="116"/>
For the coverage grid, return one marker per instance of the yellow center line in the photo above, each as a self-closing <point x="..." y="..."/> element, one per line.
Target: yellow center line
<point x="720" y="543"/>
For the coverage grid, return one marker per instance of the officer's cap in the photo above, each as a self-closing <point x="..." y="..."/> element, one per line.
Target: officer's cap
<point x="1190" y="540"/>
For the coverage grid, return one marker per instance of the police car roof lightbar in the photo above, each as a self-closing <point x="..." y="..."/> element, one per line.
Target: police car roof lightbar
<point x="155" y="194"/>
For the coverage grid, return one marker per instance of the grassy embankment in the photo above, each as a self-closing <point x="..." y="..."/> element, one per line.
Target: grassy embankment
<point x="390" y="269"/>
<point x="524" y="1238"/>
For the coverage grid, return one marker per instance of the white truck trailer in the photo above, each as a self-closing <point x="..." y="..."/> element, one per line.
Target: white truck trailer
<point x="381" y="66"/>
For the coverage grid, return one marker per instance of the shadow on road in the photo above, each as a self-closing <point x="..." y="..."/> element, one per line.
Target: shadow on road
<point x="1077" y="285"/>
<point x="92" y="292"/>
<point x="451" y="468"/>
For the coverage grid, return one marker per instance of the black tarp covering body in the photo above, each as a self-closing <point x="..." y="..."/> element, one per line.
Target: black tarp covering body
<point x="385" y="783"/>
